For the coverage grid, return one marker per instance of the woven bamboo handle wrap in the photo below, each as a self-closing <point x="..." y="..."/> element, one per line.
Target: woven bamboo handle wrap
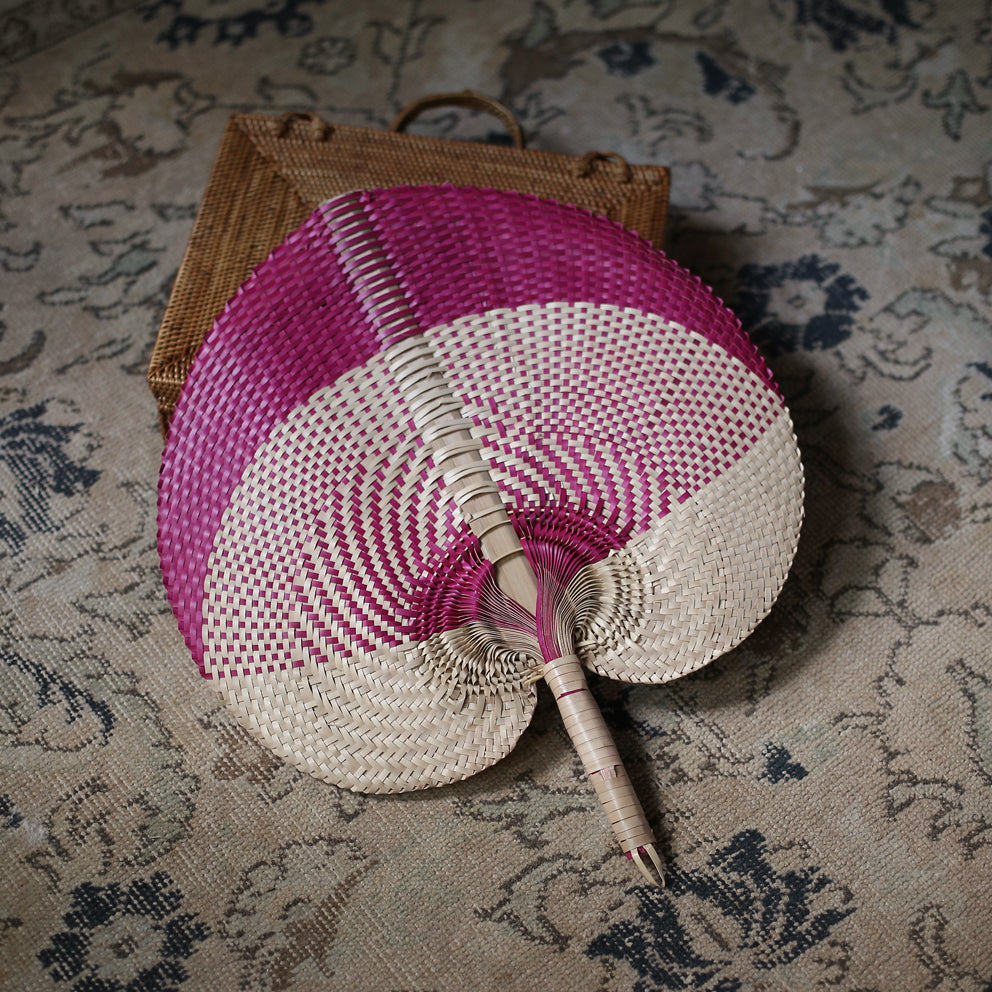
<point x="601" y="760"/>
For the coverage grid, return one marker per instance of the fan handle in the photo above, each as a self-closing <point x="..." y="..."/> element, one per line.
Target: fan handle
<point x="601" y="760"/>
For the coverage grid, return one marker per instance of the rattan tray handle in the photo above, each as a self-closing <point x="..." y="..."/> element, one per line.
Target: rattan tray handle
<point x="468" y="99"/>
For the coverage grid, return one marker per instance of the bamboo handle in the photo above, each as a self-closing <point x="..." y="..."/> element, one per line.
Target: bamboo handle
<point x="601" y="760"/>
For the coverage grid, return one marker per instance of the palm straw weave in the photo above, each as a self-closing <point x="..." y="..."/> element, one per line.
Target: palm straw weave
<point x="446" y="442"/>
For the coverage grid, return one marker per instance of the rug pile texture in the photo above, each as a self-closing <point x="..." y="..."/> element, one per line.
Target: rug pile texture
<point x="823" y="793"/>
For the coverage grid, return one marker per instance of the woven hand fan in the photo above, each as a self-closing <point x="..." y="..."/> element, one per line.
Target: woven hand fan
<point x="446" y="442"/>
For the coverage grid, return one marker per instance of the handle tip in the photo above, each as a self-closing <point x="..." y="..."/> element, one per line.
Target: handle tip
<point x="649" y="864"/>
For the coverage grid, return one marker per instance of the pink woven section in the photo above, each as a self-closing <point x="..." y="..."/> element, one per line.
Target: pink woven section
<point x="309" y="315"/>
<point x="514" y="249"/>
<point x="293" y="327"/>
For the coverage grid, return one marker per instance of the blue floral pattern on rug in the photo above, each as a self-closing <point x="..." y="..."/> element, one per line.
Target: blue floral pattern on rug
<point x="844" y="25"/>
<point x="34" y="696"/>
<point x="772" y="917"/>
<point x="717" y="81"/>
<point x="985" y="229"/>
<point x="10" y="817"/>
<point x="627" y="58"/>
<point x="780" y="765"/>
<point x="809" y="304"/>
<point x="124" y="938"/>
<point x="286" y="17"/>
<point x="34" y="452"/>
<point x="888" y="418"/>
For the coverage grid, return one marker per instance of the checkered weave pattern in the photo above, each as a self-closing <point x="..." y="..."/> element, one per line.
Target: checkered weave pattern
<point x="445" y="437"/>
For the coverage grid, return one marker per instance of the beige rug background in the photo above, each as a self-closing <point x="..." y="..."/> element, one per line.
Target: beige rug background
<point x="824" y="793"/>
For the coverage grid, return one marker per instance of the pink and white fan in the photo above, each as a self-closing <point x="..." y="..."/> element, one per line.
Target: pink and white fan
<point x="446" y="442"/>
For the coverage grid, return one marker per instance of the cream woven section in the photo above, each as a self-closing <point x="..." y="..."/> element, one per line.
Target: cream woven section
<point x="700" y="580"/>
<point x="392" y="724"/>
<point x="619" y="401"/>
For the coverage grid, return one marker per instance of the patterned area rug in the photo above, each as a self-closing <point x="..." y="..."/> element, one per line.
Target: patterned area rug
<point x="823" y="793"/>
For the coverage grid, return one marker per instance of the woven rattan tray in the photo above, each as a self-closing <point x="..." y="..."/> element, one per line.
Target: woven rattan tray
<point x="271" y="172"/>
